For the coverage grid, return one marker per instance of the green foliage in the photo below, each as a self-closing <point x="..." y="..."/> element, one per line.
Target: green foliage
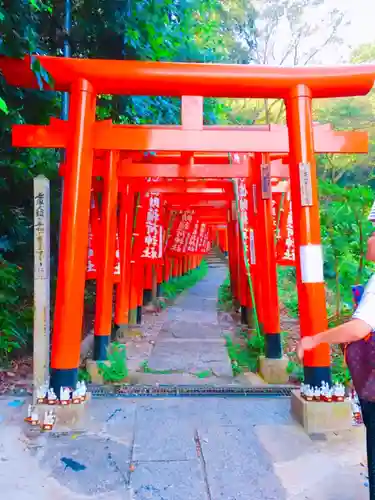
<point x="295" y="369"/>
<point x="340" y="372"/>
<point x="287" y="289"/>
<point x="345" y="231"/>
<point x="146" y="369"/>
<point x="176" y="286"/>
<point x="117" y="370"/>
<point x="244" y="353"/>
<point x="84" y="376"/>
<point x="225" y="297"/>
<point x="203" y="374"/>
<point x="15" y="315"/>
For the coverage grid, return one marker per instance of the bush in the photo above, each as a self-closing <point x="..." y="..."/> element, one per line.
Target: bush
<point x="16" y="314"/>
<point x="244" y="354"/>
<point x="225" y="297"/>
<point x="117" y="370"/>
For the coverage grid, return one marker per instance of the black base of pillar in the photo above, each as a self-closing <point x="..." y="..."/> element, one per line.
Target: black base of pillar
<point x="243" y="315"/>
<point x="225" y="254"/>
<point x="315" y="375"/>
<point x="147" y="296"/>
<point x="158" y="290"/>
<point x="139" y="315"/>
<point x="114" y="331"/>
<point x="63" y="378"/>
<point x="272" y="346"/>
<point x="101" y="343"/>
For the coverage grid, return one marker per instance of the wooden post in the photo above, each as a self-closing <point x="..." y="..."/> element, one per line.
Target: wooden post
<point x="41" y="282"/>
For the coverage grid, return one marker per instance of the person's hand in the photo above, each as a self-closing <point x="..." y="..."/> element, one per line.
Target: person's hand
<point x="305" y="344"/>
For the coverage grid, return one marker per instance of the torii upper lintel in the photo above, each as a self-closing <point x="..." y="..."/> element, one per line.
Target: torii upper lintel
<point x="191" y="79"/>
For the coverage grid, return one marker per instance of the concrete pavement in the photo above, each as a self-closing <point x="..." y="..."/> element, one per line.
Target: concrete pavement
<point x="180" y="449"/>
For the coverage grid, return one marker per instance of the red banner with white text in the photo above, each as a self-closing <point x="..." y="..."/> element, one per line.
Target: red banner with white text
<point x="95" y="237"/>
<point x="285" y="250"/>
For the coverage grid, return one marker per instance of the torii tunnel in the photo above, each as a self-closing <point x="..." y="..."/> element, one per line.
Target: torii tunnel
<point x="192" y="167"/>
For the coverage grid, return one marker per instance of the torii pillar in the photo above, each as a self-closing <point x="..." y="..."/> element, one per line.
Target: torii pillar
<point x="67" y="328"/>
<point x="309" y="255"/>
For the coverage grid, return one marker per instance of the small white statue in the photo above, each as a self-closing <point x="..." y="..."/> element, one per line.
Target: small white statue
<point x="41" y="393"/>
<point x="76" y="396"/>
<point x="52" y="398"/>
<point x="323" y="392"/>
<point x="48" y="421"/>
<point x="338" y="393"/>
<point x="329" y="393"/>
<point x="317" y="394"/>
<point x="309" y="393"/>
<point x="341" y="393"/>
<point x="303" y="390"/>
<point x="83" y="391"/>
<point x="65" y="395"/>
<point x="34" y="417"/>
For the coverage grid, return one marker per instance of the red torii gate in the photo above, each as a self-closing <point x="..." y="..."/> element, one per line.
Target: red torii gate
<point x="84" y="79"/>
<point x="133" y="165"/>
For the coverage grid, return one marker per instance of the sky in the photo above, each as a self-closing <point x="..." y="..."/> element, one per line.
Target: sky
<point x="361" y="14"/>
<point x="356" y="29"/>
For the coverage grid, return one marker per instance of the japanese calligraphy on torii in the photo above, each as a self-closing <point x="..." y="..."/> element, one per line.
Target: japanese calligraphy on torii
<point x="182" y="234"/>
<point x="285" y="249"/>
<point x="154" y="230"/>
<point x="243" y="208"/>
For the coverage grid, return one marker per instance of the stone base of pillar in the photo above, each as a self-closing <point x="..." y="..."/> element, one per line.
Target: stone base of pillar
<point x="126" y="332"/>
<point x="318" y="417"/>
<point x="274" y="371"/>
<point x="92" y="368"/>
<point x="68" y="418"/>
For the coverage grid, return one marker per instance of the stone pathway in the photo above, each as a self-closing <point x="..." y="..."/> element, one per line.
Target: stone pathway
<point x="180" y="449"/>
<point x="189" y="341"/>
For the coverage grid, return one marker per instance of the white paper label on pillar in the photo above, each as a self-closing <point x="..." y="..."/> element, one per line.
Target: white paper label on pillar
<point x="252" y="248"/>
<point x="311" y="264"/>
<point x="255" y="206"/>
<point x="266" y="181"/>
<point x="305" y="184"/>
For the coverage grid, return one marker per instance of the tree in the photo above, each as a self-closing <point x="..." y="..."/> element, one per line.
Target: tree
<point x="165" y="30"/>
<point x="289" y="32"/>
<point x="353" y="113"/>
